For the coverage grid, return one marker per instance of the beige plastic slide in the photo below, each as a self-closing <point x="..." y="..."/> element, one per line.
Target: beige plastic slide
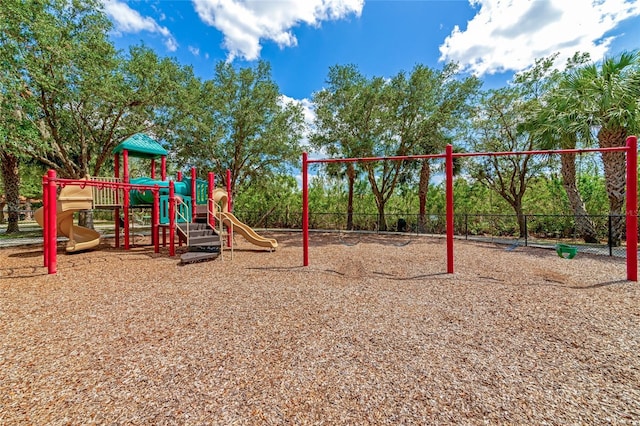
<point x="220" y="196"/>
<point x="73" y="198"/>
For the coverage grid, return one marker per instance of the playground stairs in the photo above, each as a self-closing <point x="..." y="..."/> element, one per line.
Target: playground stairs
<point x="203" y="242"/>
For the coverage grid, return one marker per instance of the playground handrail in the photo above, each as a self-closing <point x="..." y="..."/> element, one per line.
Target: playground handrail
<point x="180" y="215"/>
<point x="219" y="216"/>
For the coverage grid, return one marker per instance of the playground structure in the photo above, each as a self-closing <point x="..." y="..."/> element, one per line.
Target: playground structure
<point x="70" y="200"/>
<point x="631" y="214"/>
<point x="189" y="208"/>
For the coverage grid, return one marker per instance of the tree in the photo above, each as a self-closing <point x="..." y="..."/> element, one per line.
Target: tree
<point x="356" y="118"/>
<point x="607" y="95"/>
<point x="557" y="123"/>
<point x="335" y="124"/>
<point x="16" y="128"/>
<point x="429" y="107"/>
<point x="498" y="128"/>
<point x="241" y="123"/>
<point x="89" y="96"/>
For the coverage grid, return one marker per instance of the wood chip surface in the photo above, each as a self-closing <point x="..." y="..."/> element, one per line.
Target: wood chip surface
<point x="372" y="332"/>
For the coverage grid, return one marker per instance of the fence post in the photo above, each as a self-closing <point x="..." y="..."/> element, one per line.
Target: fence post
<point x="466" y="226"/>
<point x="610" y="238"/>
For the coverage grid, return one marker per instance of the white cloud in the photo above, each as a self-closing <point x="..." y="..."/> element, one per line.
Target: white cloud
<point x="245" y="24"/>
<point x="509" y="35"/>
<point x="194" y="51"/>
<point x="127" y="20"/>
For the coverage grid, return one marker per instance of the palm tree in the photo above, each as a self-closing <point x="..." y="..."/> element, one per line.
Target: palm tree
<point x="608" y="95"/>
<point x="555" y="124"/>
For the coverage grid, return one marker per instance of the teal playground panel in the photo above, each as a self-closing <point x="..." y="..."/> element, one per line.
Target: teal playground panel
<point x="184" y="210"/>
<point x="202" y="193"/>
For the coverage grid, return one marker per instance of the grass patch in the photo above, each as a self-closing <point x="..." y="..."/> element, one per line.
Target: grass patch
<point x="21" y="234"/>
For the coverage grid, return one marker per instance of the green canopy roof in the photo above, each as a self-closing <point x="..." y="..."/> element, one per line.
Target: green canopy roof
<point x="141" y="146"/>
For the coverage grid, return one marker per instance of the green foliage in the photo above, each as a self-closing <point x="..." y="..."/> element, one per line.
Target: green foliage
<point x="85" y="96"/>
<point x="358" y="116"/>
<point x="241" y="122"/>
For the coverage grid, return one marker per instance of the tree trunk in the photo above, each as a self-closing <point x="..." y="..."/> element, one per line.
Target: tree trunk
<point x="11" y="179"/>
<point x="85" y="218"/>
<point x="382" y="220"/>
<point x="423" y="188"/>
<point x="584" y="225"/>
<point x="351" y="175"/>
<point x="522" y="227"/>
<point x="615" y="178"/>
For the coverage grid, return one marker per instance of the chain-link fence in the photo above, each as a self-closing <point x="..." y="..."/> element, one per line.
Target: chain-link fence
<point x="537" y="229"/>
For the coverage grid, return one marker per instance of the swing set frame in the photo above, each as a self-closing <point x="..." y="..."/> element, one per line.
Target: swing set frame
<point x="631" y="214"/>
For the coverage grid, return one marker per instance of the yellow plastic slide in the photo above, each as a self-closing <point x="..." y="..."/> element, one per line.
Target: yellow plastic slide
<point x="73" y="198"/>
<point x="220" y="196"/>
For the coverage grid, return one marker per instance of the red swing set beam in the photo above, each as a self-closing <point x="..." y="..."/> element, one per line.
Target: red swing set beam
<point x="631" y="149"/>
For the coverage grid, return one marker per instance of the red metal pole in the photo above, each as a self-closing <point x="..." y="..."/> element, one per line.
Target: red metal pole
<point x="52" y="234"/>
<point x="163" y="168"/>
<point x="116" y="212"/>
<point x="153" y="168"/>
<point x="632" y="208"/>
<point x="125" y="166"/>
<point x="449" y="196"/>
<point x="211" y="219"/>
<point x="229" y="205"/>
<point x="172" y="219"/>
<point x="125" y="179"/>
<point x="179" y="176"/>
<point x="305" y="210"/>
<point x="45" y="224"/>
<point x="194" y="195"/>
<point x="155" y="219"/>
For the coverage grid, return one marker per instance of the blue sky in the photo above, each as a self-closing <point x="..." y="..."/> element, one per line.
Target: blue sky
<point x="303" y="38"/>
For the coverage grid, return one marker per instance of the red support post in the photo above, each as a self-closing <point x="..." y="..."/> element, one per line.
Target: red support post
<point x="305" y="210"/>
<point x="163" y="168"/>
<point x="125" y="203"/>
<point x="155" y="220"/>
<point x="45" y="225"/>
<point x="211" y="184"/>
<point x="449" y="198"/>
<point x="116" y="211"/>
<point x="229" y="206"/>
<point x="179" y="176"/>
<point x="51" y="220"/>
<point x="172" y="219"/>
<point x="125" y="166"/>
<point x="194" y="178"/>
<point x="153" y="168"/>
<point x="632" y="208"/>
